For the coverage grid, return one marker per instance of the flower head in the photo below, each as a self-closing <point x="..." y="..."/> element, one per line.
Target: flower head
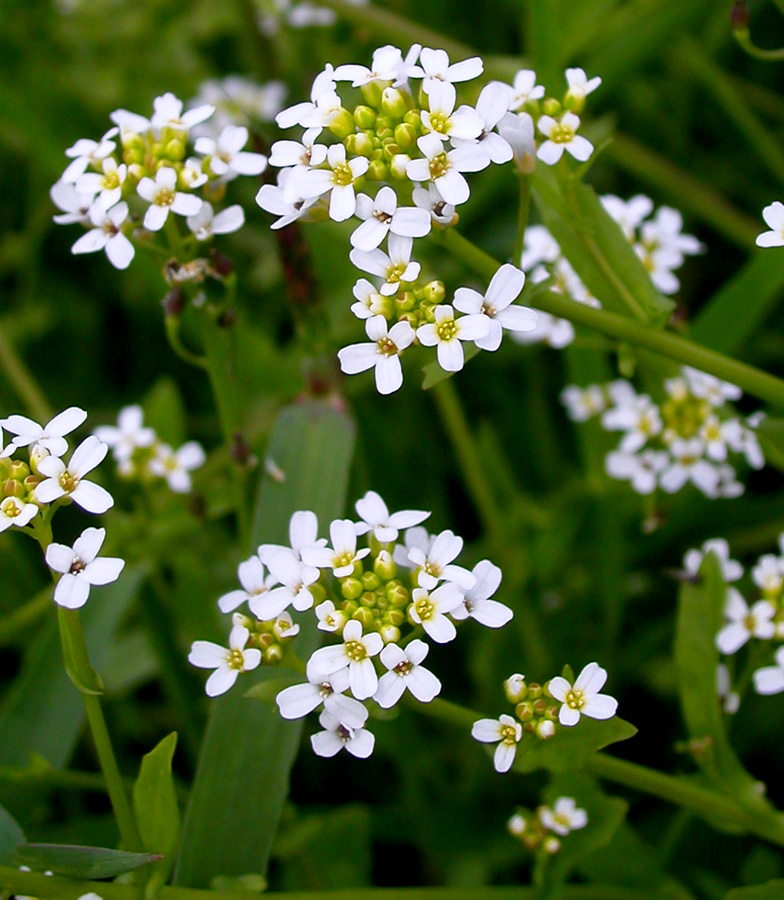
<point x="583" y="698"/>
<point x="80" y="569"/>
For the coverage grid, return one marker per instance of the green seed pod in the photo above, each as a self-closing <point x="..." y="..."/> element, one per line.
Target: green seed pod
<point x="352" y="588"/>
<point x="365" y="117"/>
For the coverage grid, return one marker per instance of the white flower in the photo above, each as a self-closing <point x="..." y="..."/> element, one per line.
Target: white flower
<point x="323" y="90"/>
<point x="629" y="214"/>
<point x="770" y="679"/>
<point x="300" y="699"/>
<point x="492" y="107"/>
<point x="741" y="439"/>
<point x="506" y="731"/>
<point x="107" y="184"/>
<point x="435" y="563"/>
<point x="254" y="583"/>
<point x="303" y="155"/>
<point x="639" y="417"/>
<point x="539" y="247"/>
<point x="168" y="114"/>
<point x="274" y="199"/>
<point x="434" y="68"/>
<point x="477" y="603"/>
<point x="404" y="672"/>
<point x="768" y="574"/>
<point x="343" y="553"/>
<point x="443" y="168"/>
<point x="549" y="330"/>
<point x="176" y="467"/>
<point x="106" y="234"/>
<point x="565" y="816"/>
<point x="369" y="302"/>
<point x="383" y="353"/>
<point x="394" y="268"/>
<point x="579" y="84"/>
<point x="447" y="332"/>
<point x="227" y="663"/>
<point x="642" y="469"/>
<point x="227" y="157"/>
<point x="329" y="618"/>
<point x="14" y="512"/>
<point x="75" y="206"/>
<point x="294" y="578"/>
<point x="744" y="623"/>
<point x="730" y="699"/>
<point x="562" y="135"/>
<point x="80" y="569"/>
<point x="128" y="434"/>
<point x="524" y="88"/>
<point x="303" y="532"/>
<point x="428" y="609"/>
<point x="49" y="438"/>
<point x="774" y="219"/>
<point x="376" y="518"/>
<point x="357" y="741"/>
<point x="87" y="152"/>
<point x="430" y="200"/>
<point x="583" y="403"/>
<point x="517" y="129"/>
<point x="353" y="654"/>
<point x="68" y="481"/>
<point x="731" y="569"/>
<point x="130" y="123"/>
<point x="387" y="66"/>
<point x="442" y="120"/>
<point x="583" y="698"/>
<point x="204" y="224"/>
<point x="163" y="196"/>
<point x="381" y="216"/>
<point x="710" y="388"/>
<point x="503" y="289"/>
<point x="688" y="465"/>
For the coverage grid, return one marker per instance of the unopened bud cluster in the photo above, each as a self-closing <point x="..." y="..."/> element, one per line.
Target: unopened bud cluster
<point x="541" y="832"/>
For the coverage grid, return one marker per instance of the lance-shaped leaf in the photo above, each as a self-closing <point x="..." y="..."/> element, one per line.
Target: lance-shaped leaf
<point x="248" y="751"/>
<point x="81" y="862"/>
<point x="11" y="837"/>
<point x="571" y="748"/>
<point x="771" y="890"/>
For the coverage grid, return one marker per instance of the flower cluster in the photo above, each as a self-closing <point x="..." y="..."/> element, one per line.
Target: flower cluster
<point x="277" y="14"/>
<point x="687" y="436"/>
<point x="123" y="187"/>
<point x="140" y="455"/>
<point x="761" y="617"/>
<point x="237" y="101"/>
<point x="397" y="162"/>
<point x="381" y="603"/>
<point x="539" y="709"/>
<point x="544" y="829"/>
<point x="33" y="488"/>
<point x="657" y="238"/>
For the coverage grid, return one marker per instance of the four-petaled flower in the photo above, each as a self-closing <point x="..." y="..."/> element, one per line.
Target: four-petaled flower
<point x="68" y="481"/>
<point x="383" y="353"/>
<point x="228" y="663"/>
<point x="406" y="671"/>
<point x="583" y="698"/>
<point x="80" y="569"/>
<point x="506" y="731"/>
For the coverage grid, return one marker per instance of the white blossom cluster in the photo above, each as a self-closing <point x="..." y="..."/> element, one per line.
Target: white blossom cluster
<point x="381" y="604"/>
<point x="538" y="709"/>
<point x="274" y="15"/>
<point x="761" y="617"/>
<point x="141" y="455"/>
<point x="544" y="828"/>
<point x="33" y="488"/>
<point x="657" y="238"/>
<point x="123" y="187"/>
<point x="685" y="437"/>
<point x="398" y="162"/>
<point x="237" y="101"/>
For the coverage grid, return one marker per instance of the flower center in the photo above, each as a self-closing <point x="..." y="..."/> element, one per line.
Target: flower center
<point x="76" y="566"/>
<point x="439" y="122"/>
<point x="387" y="347"/>
<point x="403" y="668"/>
<point x="424" y="608"/>
<point x="395" y="272"/>
<point x="488" y="309"/>
<point x="447" y="330"/>
<point x="562" y="134"/>
<point x="345" y="734"/>
<point x="382" y="216"/>
<point x="575" y="699"/>
<point x="342" y="175"/>
<point x="68" y="482"/>
<point x="355" y="651"/>
<point x="325" y="689"/>
<point x="9" y="508"/>
<point x="508" y="734"/>
<point x="345" y="559"/>
<point x="439" y="165"/>
<point x="750" y="623"/>
<point x="235" y="659"/>
<point x="164" y="197"/>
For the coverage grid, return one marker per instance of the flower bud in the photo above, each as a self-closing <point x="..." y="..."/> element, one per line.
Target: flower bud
<point x="364" y="616"/>
<point x="398" y="165"/>
<point x="370" y="581"/>
<point x="273" y="655"/>
<point x="175" y="150"/>
<point x="524" y="711"/>
<point x="341" y="124"/>
<point x="368" y="599"/>
<point x="18" y="470"/>
<point x="397" y="595"/>
<point x="391" y="149"/>
<point x="214" y="191"/>
<point x="390" y="634"/>
<point x="540" y="706"/>
<point x="414" y="119"/>
<point x="516" y="825"/>
<point x="365" y="117"/>
<point x="395" y="617"/>
<point x="434" y="292"/>
<point x="351" y="588"/>
<point x="551" y="845"/>
<point x="378" y="170"/>
<point x="31" y="483"/>
<point x="545" y="729"/>
<point x="384" y="566"/>
<point x="405" y="136"/>
<point x="515" y="688"/>
<point x="534" y="691"/>
<point x="371" y="93"/>
<point x="363" y="145"/>
<point x="12" y="488"/>
<point x="551" y="107"/>
<point x="393" y="103"/>
<point x="405" y="301"/>
<point x="574" y="102"/>
<point x="319" y="593"/>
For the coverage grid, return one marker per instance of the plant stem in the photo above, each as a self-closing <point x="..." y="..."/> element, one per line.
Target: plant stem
<point x="743" y="37"/>
<point x="523" y="208"/>
<point x="22" y="380"/>
<point x="750" y="379"/>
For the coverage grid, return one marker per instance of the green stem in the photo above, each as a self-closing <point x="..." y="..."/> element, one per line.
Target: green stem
<point x="523" y="208"/>
<point x="743" y="37"/>
<point x="55" y="888"/>
<point x="172" y="326"/>
<point x="22" y="380"/>
<point x="391" y="27"/>
<point x="750" y="379"/>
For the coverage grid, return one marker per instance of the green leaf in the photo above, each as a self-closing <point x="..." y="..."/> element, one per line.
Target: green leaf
<point x="700" y="616"/>
<point x="605" y="815"/>
<point x="571" y="747"/>
<point x="770" y="432"/>
<point x="248" y="750"/>
<point x="156" y="811"/>
<point x="772" y="890"/>
<point x="165" y="412"/>
<point x="11" y="836"/>
<point x="596" y="247"/>
<point x="732" y="315"/>
<point x="81" y="862"/>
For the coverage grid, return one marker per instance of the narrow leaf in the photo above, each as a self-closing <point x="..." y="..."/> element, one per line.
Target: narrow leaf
<point x="772" y="890"/>
<point x="11" y="836"/>
<point x="156" y="810"/>
<point x="571" y="747"/>
<point x="248" y="751"/>
<point x="81" y="862"/>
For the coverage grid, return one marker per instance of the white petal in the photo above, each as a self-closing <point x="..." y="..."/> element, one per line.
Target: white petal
<point x="71" y="592"/>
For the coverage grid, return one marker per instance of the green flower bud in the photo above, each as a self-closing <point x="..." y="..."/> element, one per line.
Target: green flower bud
<point x="575" y="103"/>
<point x="264" y="641"/>
<point x="365" y="616"/>
<point x="135" y="170"/>
<point x="349" y="607"/>
<point x="540" y="706"/>
<point x="378" y="170"/>
<point x="414" y="119"/>
<point x="175" y="150"/>
<point x="405" y="301"/>
<point x="352" y="588"/>
<point x="273" y="655"/>
<point x="393" y="103"/>
<point x="551" y="107"/>
<point x="515" y="689"/>
<point x="18" y="470"/>
<point x="368" y="599"/>
<point x="391" y="150"/>
<point x="390" y="634"/>
<point x="350" y="144"/>
<point x="524" y="711"/>
<point x="319" y="593"/>
<point x="551" y="713"/>
<point x="12" y="488"/>
<point x="406" y="136"/>
<point x="370" y="581"/>
<point x="398" y="165"/>
<point x="397" y="594"/>
<point x="534" y="691"/>
<point x="365" y="117"/>
<point x="434" y="292"/>
<point x="363" y="145"/>
<point x="384" y="566"/>
<point x="342" y="124"/>
<point x="371" y="94"/>
<point x="395" y="617"/>
<point x="545" y="729"/>
<point x="31" y="483"/>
